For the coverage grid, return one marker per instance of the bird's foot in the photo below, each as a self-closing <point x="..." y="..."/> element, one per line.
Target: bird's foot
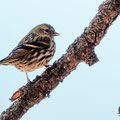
<point x="28" y="80"/>
<point x="47" y="66"/>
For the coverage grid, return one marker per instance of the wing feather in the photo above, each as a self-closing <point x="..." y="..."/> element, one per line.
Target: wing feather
<point x="27" y="46"/>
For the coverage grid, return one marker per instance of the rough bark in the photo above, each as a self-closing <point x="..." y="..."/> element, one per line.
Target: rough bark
<point x="82" y="50"/>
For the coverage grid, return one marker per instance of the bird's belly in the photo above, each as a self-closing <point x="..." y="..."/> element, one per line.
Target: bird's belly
<point x="35" y="63"/>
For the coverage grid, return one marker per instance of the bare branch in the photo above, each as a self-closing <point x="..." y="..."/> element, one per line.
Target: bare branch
<point x="82" y="50"/>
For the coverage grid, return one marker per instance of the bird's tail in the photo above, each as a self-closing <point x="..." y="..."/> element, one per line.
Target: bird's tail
<point x="4" y="61"/>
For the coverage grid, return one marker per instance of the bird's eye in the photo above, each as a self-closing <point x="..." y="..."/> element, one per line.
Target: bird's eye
<point x="47" y="30"/>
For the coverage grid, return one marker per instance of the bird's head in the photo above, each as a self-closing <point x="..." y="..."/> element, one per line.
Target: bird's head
<point x="45" y="30"/>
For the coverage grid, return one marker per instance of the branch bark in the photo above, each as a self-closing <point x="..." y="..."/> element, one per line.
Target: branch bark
<point x="82" y="50"/>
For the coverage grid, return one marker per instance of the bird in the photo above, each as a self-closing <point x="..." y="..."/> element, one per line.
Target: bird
<point x="34" y="51"/>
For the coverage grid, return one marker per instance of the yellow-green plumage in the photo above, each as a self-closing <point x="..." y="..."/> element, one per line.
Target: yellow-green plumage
<point x="35" y="50"/>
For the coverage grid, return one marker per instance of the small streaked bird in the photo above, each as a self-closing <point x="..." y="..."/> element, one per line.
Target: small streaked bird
<point x="35" y="50"/>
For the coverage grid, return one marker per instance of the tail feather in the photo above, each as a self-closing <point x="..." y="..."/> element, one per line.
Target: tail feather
<point x="1" y="61"/>
<point x="4" y="61"/>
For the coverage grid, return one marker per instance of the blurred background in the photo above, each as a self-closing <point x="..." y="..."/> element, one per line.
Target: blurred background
<point x="88" y="93"/>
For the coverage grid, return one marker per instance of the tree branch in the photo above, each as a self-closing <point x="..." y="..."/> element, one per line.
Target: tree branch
<point x="82" y="50"/>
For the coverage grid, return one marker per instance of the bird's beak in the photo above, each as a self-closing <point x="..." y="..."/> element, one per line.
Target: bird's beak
<point x="56" y="34"/>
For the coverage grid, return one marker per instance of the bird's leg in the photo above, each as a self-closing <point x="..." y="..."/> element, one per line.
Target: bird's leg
<point x="28" y="80"/>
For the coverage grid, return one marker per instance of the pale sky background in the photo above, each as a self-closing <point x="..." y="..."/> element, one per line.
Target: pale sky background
<point x="88" y="93"/>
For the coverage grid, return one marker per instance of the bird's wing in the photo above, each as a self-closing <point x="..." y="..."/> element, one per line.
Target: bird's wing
<point x="34" y="41"/>
<point x="15" y="55"/>
<point x="25" y="49"/>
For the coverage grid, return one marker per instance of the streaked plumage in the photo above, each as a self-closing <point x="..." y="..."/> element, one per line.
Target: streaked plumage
<point x="35" y="50"/>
